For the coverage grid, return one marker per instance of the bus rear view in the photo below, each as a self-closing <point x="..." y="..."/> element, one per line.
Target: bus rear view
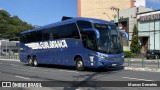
<point x="81" y="42"/>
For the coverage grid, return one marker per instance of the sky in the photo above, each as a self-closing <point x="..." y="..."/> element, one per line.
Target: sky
<point x="40" y="12"/>
<point x="154" y="4"/>
<point x="43" y="12"/>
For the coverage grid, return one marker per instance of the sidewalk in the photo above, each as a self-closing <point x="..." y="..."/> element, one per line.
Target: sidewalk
<point x="142" y="69"/>
<point x="139" y="64"/>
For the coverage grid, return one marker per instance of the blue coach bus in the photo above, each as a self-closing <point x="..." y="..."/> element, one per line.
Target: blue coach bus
<point x="79" y="42"/>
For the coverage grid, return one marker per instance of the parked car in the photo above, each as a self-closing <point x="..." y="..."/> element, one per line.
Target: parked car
<point x="153" y="54"/>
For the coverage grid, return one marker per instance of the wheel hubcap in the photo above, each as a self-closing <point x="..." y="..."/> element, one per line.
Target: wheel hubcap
<point x="79" y="64"/>
<point x="30" y="61"/>
<point x="35" y="62"/>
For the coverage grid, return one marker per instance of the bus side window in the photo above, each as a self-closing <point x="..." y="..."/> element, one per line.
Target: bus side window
<point x="28" y="38"/>
<point x="45" y="35"/>
<point x="23" y="38"/>
<point x="88" y="38"/>
<point x="39" y="36"/>
<point x="83" y="25"/>
<point x="69" y="31"/>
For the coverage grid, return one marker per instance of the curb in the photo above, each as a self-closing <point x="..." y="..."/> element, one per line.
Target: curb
<point x="142" y="69"/>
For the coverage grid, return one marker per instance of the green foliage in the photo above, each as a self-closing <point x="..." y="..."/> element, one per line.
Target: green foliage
<point x="135" y="45"/>
<point x="10" y="27"/>
<point x="128" y="54"/>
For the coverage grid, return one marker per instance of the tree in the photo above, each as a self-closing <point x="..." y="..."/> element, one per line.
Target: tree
<point x="11" y="26"/>
<point x="135" y="45"/>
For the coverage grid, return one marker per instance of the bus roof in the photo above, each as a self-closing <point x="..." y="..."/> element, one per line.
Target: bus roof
<point x="67" y="22"/>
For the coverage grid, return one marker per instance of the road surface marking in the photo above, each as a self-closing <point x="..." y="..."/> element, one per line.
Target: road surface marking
<point x="69" y="71"/>
<point x="32" y="67"/>
<point x="22" y="77"/>
<point x="13" y="64"/>
<point x="137" y="79"/>
<point x="0" y="63"/>
<point x="0" y="72"/>
<point x="77" y="89"/>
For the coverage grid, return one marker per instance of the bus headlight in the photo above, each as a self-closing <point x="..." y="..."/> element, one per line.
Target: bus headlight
<point x="101" y="57"/>
<point x="91" y="58"/>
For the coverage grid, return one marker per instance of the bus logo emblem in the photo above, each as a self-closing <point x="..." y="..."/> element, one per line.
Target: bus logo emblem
<point x="48" y="44"/>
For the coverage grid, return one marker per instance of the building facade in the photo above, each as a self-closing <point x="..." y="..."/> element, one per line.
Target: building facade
<point x="149" y="30"/>
<point x="127" y="13"/>
<point x="9" y="47"/>
<point x="128" y="18"/>
<point x="101" y="9"/>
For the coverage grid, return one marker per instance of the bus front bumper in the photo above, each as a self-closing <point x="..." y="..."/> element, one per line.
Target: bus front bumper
<point x="110" y="63"/>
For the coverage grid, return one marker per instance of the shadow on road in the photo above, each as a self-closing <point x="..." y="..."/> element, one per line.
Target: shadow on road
<point x="83" y="79"/>
<point x="86" y="69"/>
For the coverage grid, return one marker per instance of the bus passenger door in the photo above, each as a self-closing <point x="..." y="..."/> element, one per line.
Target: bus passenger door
<point x="89" y="42"/>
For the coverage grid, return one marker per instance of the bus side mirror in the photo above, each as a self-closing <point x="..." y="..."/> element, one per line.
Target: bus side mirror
<point x="93" y="30"/>
<point x="124" y="33"/>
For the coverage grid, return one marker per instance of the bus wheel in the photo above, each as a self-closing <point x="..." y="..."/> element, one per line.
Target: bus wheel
<point x="35" y="63"/>
<point x="79" y="64"/>
<point x="30" y="61"/>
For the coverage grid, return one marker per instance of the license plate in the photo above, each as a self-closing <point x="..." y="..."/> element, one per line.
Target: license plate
<point x="114" y="64"/>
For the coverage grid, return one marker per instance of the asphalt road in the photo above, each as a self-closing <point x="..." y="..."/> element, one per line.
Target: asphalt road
<point x="18" y="71"/>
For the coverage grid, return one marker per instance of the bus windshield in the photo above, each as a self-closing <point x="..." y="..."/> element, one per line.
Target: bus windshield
<point x="110" y="41"/>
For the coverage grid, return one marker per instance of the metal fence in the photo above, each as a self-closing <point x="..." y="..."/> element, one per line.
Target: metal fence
<point x="16" y="57"/>
<point x="142" y="62"/>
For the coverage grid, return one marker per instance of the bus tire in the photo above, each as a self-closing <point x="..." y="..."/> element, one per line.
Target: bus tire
<point x="79" y="64"/>
<point x="35" y="63"/>
<point x="30" y="61"/>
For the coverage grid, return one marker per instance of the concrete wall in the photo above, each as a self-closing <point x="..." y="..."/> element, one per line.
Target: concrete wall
<point x="96" y="8"/>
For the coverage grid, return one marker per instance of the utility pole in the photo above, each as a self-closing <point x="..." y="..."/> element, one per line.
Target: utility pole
<point x="6" y="49"/>
<point x="0" y="46"/>
<point x="154" y="36"/>
<point x="117" y="10"/>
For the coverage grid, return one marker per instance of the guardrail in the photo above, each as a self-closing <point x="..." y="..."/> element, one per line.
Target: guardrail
<point x="16" y="57"/>
<point x="142" y="62"/>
